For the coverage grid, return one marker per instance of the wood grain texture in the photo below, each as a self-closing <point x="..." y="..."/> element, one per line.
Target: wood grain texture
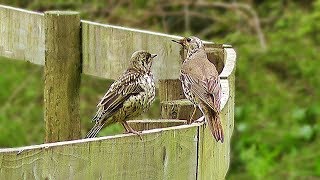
<point x="107" y="50"/>
<point x="178" y="109"/>
<point x="62" y="76"/>
<point x="147" y="124"/>
<point x="169" y="153"/>
<point x="170" y="89"/>
<point x="21" y="34"/>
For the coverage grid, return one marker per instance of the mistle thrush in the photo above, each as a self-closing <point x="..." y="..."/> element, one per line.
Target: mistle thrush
<point x="201" y="83"/>
<point x="129" y="96"/>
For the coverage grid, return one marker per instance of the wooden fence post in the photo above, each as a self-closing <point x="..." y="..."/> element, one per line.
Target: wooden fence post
<point x="170" y="89"/>
<point x="62" y="76"/>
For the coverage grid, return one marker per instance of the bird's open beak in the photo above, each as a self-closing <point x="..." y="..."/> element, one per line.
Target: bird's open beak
<point x="178" y="41"/>
<point x="153" y="55"/>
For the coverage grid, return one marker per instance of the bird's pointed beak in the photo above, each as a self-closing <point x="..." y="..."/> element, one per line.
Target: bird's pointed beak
<point x="153" y="55"/>
<point x="178" y="41"/>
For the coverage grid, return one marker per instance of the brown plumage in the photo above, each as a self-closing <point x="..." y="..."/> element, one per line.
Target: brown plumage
<point x="128" y="97"/>
<point x="201" y="83"/>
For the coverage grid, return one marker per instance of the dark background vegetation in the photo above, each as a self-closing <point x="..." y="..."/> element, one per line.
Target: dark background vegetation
<point x="277" y="81"/>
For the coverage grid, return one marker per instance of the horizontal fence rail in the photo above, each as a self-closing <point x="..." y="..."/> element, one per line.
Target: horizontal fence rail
<point x="169" y="149"/>
<point x="106" y="49"/>
<point x="22" y="34"/>
<point x="168" y="153"/>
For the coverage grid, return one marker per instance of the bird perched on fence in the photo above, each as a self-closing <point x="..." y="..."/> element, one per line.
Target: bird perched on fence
<point x="128" y="97"/>
<point x="201" y="83"/>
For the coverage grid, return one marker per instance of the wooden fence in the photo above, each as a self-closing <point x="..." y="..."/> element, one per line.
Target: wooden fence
<point x="67" y="46"/>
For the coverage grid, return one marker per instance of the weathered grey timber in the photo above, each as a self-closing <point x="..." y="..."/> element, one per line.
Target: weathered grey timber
<point x="62" y="76"/>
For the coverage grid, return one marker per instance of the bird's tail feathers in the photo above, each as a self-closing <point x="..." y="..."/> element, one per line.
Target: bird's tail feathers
<point x="97" y="116"/>
<point x="95" y="130"/>
<point x="215" y="127"/>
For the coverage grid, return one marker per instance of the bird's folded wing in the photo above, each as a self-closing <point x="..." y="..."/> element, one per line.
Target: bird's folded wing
<point x="207" y="89"/>
<point x="126" y="86"/>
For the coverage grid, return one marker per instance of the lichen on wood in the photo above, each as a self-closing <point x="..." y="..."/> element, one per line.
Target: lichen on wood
<point x="62" y="76"/>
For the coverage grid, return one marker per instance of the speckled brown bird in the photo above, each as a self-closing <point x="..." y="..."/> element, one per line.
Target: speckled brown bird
<point x="201" y="83"/>
<point x="129" y="96"/>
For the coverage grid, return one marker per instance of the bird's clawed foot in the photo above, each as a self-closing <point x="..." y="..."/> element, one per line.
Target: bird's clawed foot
<point x="138" y="133"/>
<point x="130" y="129"/>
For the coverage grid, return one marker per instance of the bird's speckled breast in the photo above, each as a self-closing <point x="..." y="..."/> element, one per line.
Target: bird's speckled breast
<point x="186" y="90"/>
<point x="141" y="102"/>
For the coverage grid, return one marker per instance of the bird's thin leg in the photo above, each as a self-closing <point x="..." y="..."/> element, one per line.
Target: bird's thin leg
<point x="125" y="127"/>
<point x="130" y="130"/>
<point x="201" y="119"/>
<point x="192" y="115"/>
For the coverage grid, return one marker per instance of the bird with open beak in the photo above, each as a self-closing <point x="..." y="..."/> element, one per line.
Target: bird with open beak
<point x="201" y="84"/>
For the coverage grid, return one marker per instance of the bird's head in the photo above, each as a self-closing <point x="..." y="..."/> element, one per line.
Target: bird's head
<point x="191" y="44"/>
<point x="142" y="60"/>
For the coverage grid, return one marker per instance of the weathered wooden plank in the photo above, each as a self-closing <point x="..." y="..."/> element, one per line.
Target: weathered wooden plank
<point x="62" y="76"/>
<point x="170" y="89"/>
<point x="107" y="50"/>
<point x="169" y="153"/>
<point x="178" y="109"/>
<point x="22" y="34"/>
<point x="147" y="124"/>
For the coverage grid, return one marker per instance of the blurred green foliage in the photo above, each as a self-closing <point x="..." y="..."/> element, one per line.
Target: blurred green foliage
<point x="277" y="111"/>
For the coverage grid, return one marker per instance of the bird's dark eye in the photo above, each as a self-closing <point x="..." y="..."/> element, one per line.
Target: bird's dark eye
<point x="188" y="39"/>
